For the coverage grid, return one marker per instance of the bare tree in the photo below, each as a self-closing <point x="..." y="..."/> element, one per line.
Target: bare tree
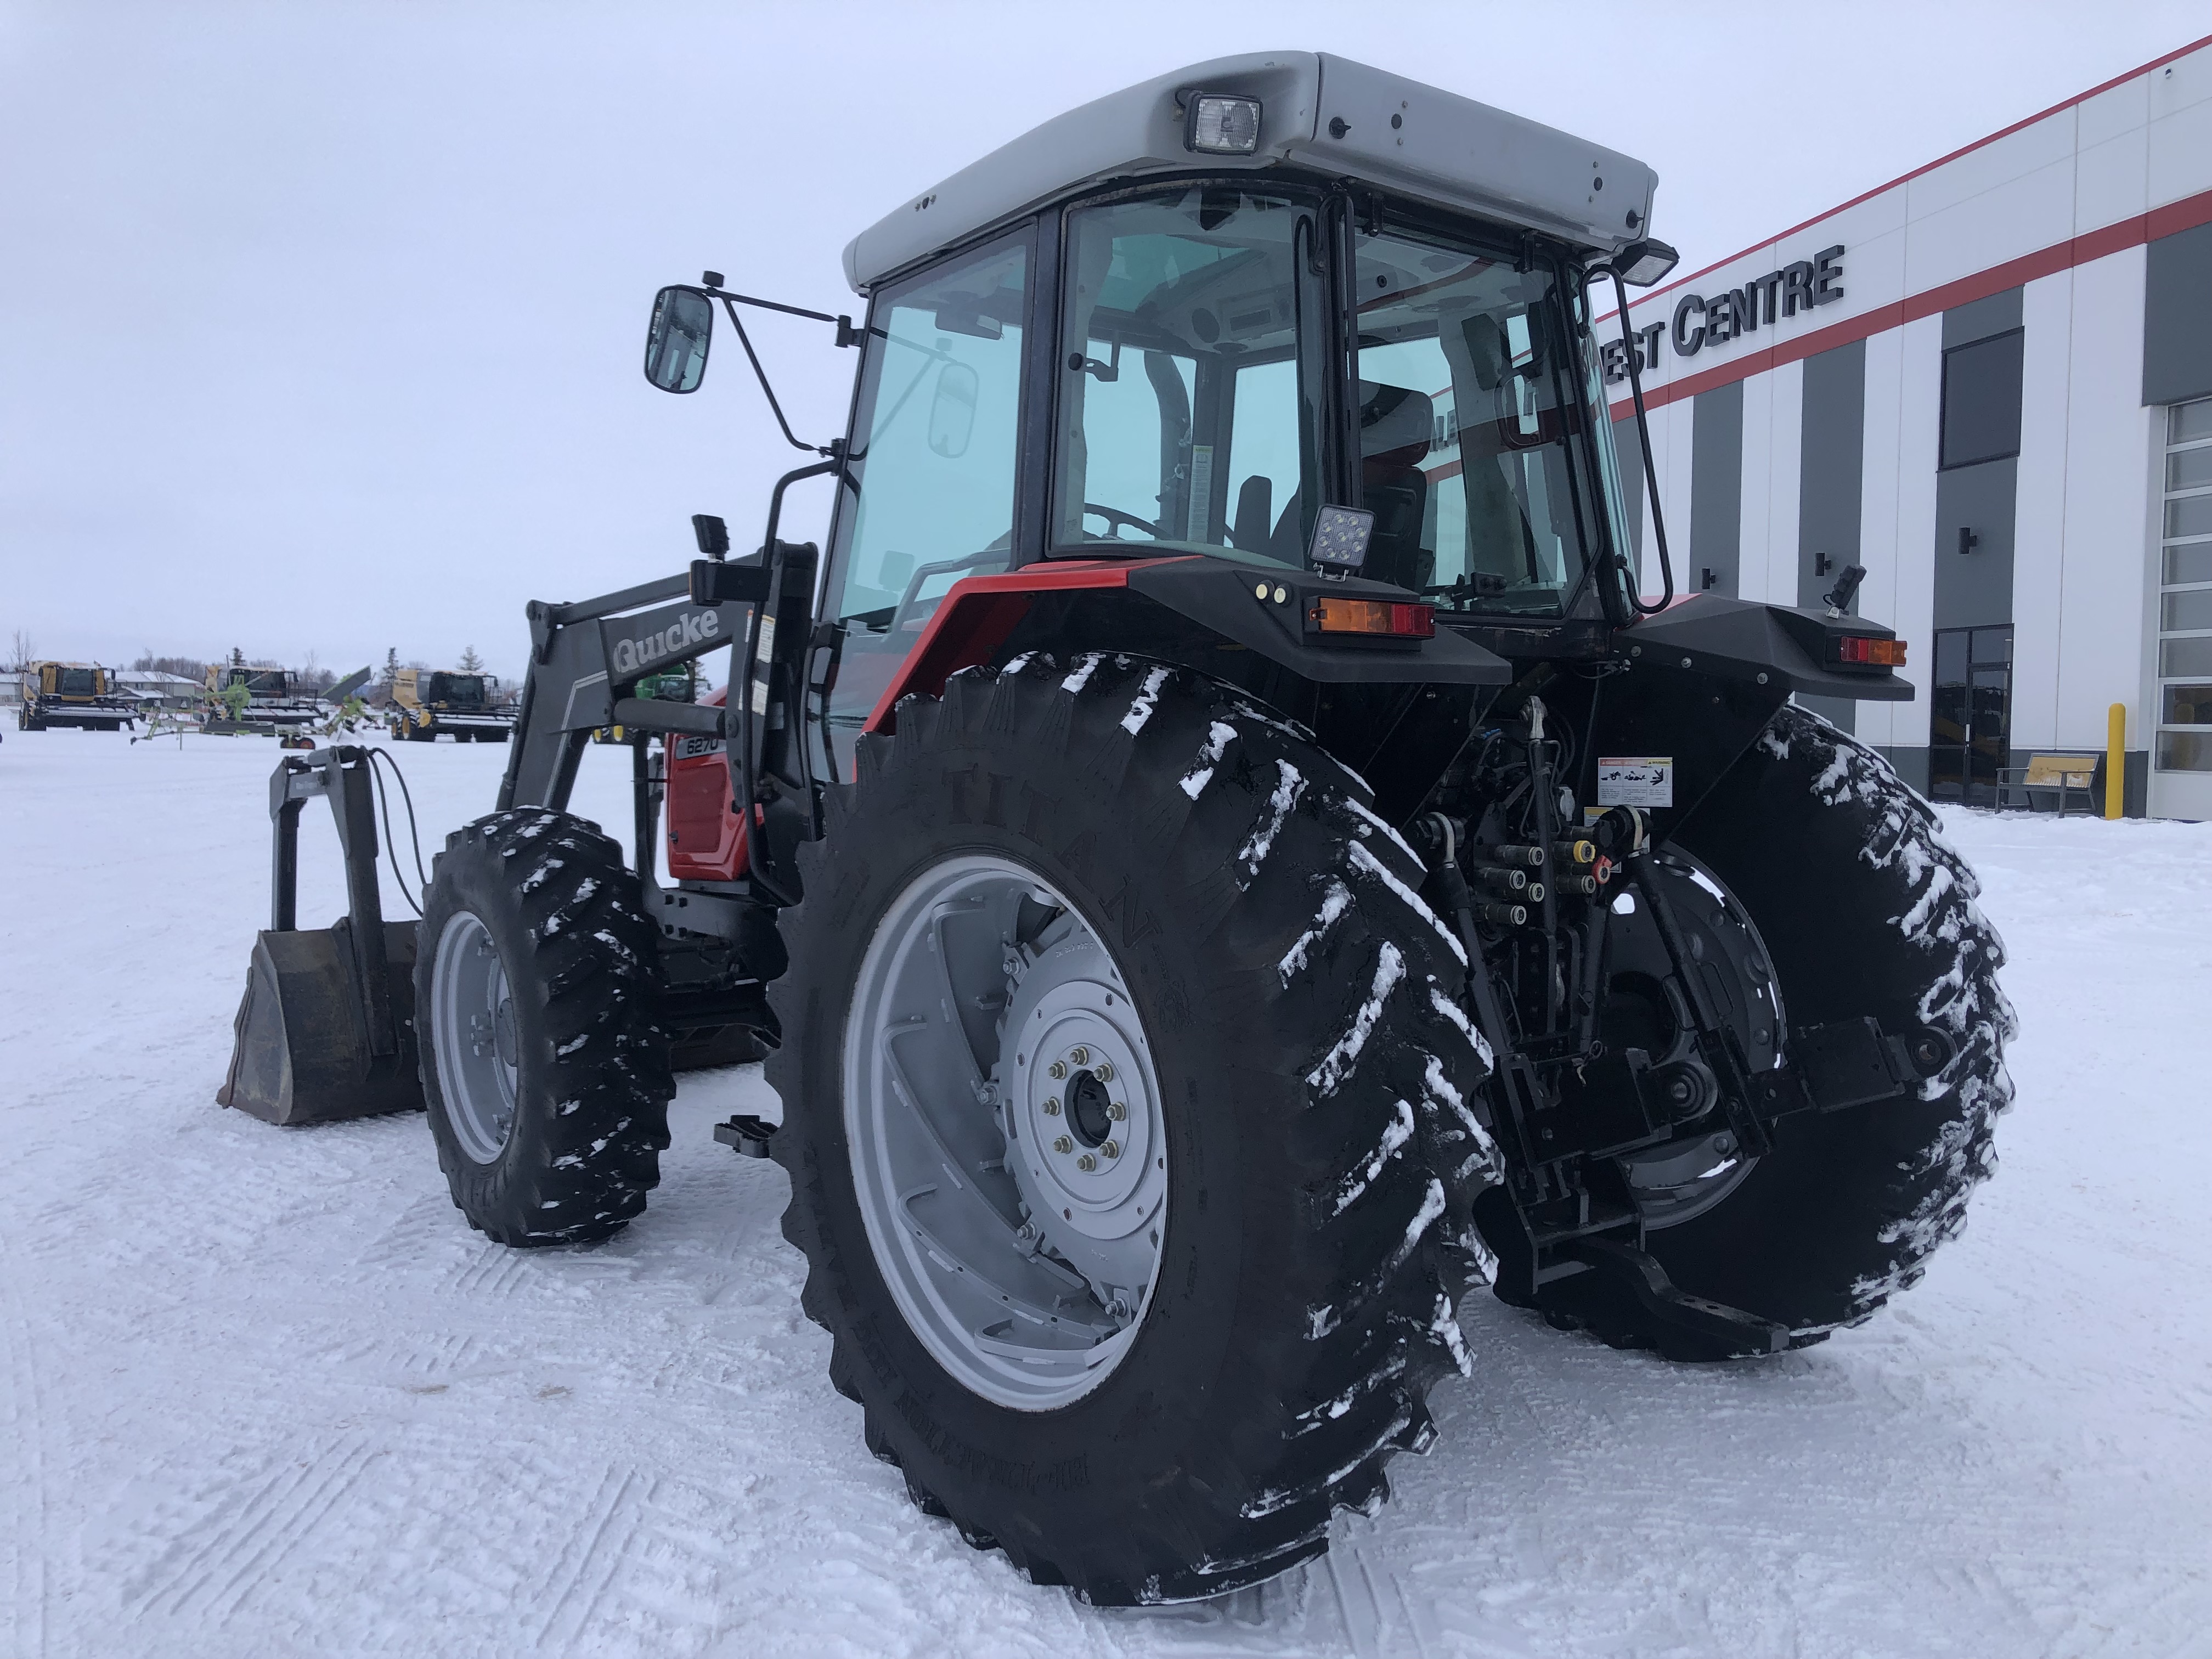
<point x="23" y="649"/>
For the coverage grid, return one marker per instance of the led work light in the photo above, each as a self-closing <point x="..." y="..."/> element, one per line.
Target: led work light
<point x="1216" y="124"/>
<point x="1641" y="263"/>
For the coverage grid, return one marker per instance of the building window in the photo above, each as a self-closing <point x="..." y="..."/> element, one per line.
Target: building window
<point x="1981" y="400"/>
<point x="2184" y="742"/>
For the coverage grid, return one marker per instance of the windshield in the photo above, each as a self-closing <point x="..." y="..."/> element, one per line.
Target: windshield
<point x="77" y="683"/>
<point x="1473" y="419"/>
<point x="457" y="688"/>
<point x="1181" y="424"/>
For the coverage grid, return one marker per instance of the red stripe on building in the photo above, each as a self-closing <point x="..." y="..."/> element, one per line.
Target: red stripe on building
<point x="1940" y="161"/>
<point x="2183" y="215"/>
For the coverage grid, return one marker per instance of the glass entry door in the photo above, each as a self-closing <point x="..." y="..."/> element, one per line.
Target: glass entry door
<point x="1969" y="727"/>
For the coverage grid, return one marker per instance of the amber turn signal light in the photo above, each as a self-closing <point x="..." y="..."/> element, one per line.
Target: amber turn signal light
<point x="1864" y="651"/>
<point x="1387" y="618"/>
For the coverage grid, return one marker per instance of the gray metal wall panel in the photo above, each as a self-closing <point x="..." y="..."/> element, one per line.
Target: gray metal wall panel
<point x="1715" y="490"/>
<point x="1974" y="590"/>
<point x="2178" y="318"/>
<point x="1979" y="319"/>
<point x="1831" y="467"/>
<point x="1629" y="449"/>
<point x="1831" y="471"/>
<point x="1911" y="762"/>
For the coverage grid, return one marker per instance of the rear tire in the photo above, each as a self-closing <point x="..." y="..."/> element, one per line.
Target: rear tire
<point x="536" y="987"/>
<point x="1865" y="909"/>
<point x="1301" y="1064"/>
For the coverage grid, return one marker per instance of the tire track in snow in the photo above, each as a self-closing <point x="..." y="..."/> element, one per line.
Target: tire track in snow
<point x="595" y="1559"/>
<point x="24" y="1624"/>
<point x="254" y="1522"/>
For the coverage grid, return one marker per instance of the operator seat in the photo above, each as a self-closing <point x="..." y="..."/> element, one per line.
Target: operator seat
<point x="1396" y="426"/>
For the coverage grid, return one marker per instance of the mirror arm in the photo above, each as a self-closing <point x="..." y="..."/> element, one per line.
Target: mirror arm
<point x="1643" y="437"/>
<point x="761" y="374"/>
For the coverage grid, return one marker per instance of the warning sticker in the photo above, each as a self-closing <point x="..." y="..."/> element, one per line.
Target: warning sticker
<point x="1636" y="780"/>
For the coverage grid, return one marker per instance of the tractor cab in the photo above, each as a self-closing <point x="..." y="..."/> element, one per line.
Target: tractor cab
<point x="1247" y="314"/>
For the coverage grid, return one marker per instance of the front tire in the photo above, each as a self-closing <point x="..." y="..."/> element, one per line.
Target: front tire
<point x="536" y="987"/>
<point x="1276" y="1008"/>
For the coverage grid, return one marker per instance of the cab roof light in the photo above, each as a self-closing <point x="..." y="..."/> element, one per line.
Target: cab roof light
<point x="1220" y="124"/>
<point x="1378" y="618"/>
<point x="1866" y="651"/>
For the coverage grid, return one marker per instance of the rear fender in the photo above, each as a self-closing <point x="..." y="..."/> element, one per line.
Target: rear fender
<point x="1263" y="610"/>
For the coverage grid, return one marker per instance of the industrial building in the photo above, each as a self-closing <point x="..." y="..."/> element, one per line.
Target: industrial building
<point x="1989" y="382"/>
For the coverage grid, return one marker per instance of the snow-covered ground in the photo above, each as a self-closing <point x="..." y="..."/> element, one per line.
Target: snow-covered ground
<point x="263" y="1392"/>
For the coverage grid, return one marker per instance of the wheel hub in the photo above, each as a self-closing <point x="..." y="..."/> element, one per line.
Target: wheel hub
<point x="1003" y="1121"/>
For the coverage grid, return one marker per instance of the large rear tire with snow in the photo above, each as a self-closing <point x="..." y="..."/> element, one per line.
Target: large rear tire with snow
<point x="536" y="985"/>
<point x="1114" y="941"/>
<point x="1864" y="909"/>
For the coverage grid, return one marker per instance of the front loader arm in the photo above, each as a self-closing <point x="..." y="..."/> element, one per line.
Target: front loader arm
<point x="586" y="658"/>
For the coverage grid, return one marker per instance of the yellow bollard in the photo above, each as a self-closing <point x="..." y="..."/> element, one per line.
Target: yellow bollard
<point x="2115" y="758"/>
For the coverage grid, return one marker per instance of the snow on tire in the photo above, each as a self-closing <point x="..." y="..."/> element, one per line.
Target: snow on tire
<point x="1866" y="910"/>
<point x="536" y="987"/>
<point x="1318" y="1143"/>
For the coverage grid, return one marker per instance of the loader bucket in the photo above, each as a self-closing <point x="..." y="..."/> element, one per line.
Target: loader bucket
<point x="325" y="1029"/>
<point x="303" y="1053"/>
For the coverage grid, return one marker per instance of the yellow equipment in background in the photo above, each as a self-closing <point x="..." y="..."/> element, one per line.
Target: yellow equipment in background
<point x="425" y="702"/>
<point x="80" y="693"/>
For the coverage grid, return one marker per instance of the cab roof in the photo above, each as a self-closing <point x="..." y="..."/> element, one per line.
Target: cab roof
<point x="1318" y="111"/>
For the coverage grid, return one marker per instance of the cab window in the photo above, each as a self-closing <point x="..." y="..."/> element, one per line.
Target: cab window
<point x="1180" y="420"/>
<point x="1472" y="417"/>
<point x="934" y="451"/>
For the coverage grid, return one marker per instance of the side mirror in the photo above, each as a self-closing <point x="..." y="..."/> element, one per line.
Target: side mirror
<point x="676" y="343"/>
<point x="952" y="410"/>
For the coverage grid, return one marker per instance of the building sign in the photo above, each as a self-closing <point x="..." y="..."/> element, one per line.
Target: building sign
<point x="1699" y="321"/>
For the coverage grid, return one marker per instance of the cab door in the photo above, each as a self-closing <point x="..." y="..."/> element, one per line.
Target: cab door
<point x="936" y="453"/>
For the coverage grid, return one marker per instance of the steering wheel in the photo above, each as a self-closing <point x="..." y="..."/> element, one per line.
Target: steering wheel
<point x="1115" y="515"/>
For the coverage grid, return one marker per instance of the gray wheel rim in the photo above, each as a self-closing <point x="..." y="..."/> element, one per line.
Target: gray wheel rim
<point x="1003" y="1113"/>
<point x="472" y="1024"/>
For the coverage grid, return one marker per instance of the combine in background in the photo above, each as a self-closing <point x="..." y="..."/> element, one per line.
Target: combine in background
<point x="425" y="702"/>
<point x="72" y="694"/>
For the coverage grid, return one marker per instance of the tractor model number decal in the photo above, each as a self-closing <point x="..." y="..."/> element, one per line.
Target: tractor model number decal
<point x="692" y="748"/>
<point x="685" y="631"/>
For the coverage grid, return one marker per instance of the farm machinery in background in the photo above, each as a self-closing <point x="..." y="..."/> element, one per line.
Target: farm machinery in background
<point x="1221" y="851"/>
<point x="79" y="693"/>
<point x="243" y="700"/>
<point x="426" y="702"/>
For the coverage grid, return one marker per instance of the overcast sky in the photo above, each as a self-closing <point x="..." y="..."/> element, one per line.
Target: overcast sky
<point x="320" y="324"/>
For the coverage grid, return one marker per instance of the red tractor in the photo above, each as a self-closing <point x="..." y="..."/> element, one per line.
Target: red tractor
<point x="1219" y="851"/>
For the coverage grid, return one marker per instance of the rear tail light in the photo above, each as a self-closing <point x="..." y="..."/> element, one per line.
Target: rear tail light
<point x="1381" y="618"/>
<point x="1865" y="651"/>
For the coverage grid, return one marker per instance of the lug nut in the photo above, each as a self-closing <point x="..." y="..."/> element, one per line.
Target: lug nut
<point x="1117" y="1111"/>
<point x="1087" y="1163"/>
<point x="1062" y="1143"/>
<point x="1056" y="1070"/>
<point x="1052" y="1106"/>
<point x="1104" y="1071"/>
<point x="1111" y="1148"/>
<point x="1078" y="1056"/>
